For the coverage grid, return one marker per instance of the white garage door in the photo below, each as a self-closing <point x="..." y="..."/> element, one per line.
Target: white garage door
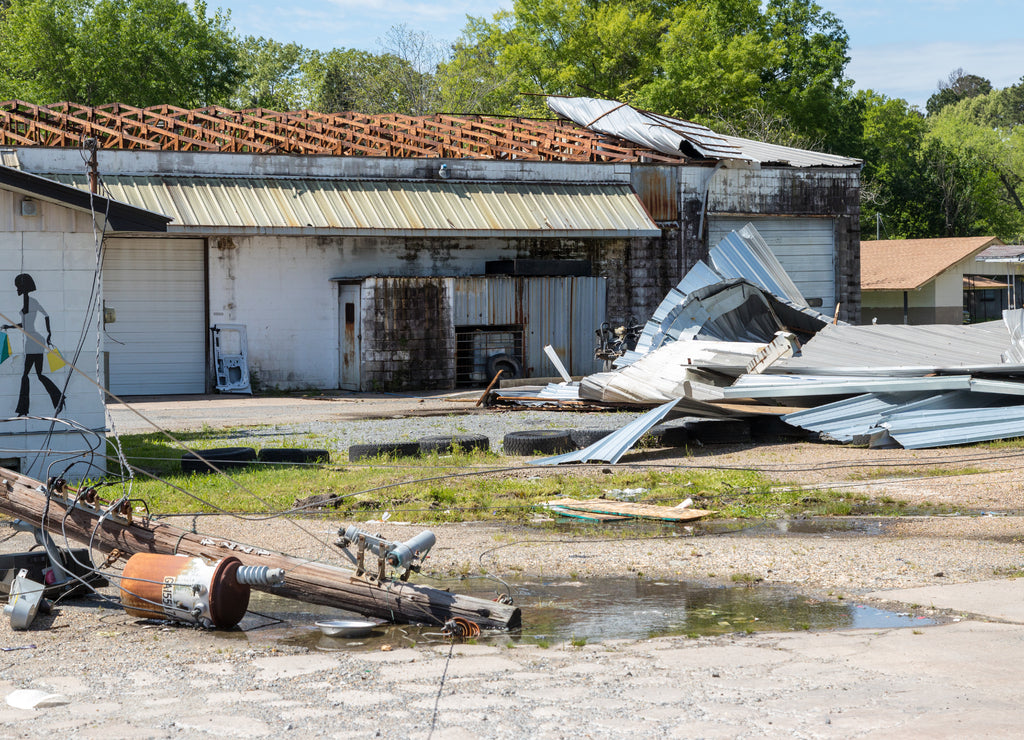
<point x="804" y="246"/>
<point x="157" y="345"/>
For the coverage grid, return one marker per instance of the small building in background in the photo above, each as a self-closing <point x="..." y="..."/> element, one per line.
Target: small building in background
<point x="952" y="280"/>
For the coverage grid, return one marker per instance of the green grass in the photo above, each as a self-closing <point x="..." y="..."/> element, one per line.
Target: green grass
<point x="458" y="487"/>
<point x="1002" y="444"/>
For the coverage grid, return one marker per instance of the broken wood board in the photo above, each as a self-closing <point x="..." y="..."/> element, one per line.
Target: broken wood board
<point x="630" y="510"/>
<point x="590" y="516"/>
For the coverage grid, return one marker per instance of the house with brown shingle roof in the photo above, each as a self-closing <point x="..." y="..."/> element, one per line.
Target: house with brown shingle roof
<point x="935" y="281"/>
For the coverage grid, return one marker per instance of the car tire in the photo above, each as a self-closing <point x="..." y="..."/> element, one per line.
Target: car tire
<point x="538" y="442"/>
<point x="586" y="437"/>
<point x="511" y="367"/>
<point x="223" y="457"/>
<point x="383" y="449"/>
<point x="293" y="456"/>
<point x="448" y="443"/>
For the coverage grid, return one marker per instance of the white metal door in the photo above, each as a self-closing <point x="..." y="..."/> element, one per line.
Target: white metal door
<point x="804" y="246"/>
<point x="350" y="335"/>
<point x="157" y="344"/>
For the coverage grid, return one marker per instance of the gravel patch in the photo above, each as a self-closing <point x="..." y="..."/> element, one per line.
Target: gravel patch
<point x="338" y="437"/>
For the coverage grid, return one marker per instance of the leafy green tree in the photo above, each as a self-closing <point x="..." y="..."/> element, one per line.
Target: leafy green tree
<point x="350" y="79"/>
<point x="896" y="183"/>
<point x="958" y="86"/>
<point x="399" y="79"/>
<point x="992" y="156"/>
<point x="602" y="48"/>
<point x="704" y="60"/>
<point x="274" y="76"/>
<point x="139" y="52"/>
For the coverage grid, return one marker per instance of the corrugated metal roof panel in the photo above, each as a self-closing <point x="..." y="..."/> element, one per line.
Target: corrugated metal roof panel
<point x="796" y="386"/>
<point x="367" y="207"/>
<point x="845" y="420"/>
<point x="918" y="421"/>
<point x="917" y="428"/>
<point x="661" y="133"/>
<point x="902" y="349"/>
<point x="615" y="445"/>
<point x="745" y="254"/>
<point x="675" y="136"/>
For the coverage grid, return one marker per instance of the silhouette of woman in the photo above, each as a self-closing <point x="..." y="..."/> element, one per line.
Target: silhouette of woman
<point x="35" y="346"/>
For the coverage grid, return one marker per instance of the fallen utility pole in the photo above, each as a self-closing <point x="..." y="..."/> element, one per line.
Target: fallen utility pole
<point x="314" y="583"/>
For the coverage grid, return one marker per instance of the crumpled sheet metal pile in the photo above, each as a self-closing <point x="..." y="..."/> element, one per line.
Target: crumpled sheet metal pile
<point x="735" y="335"/>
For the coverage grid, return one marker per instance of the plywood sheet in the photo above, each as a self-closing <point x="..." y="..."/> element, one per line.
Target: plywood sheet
<point x="630" y="509"/>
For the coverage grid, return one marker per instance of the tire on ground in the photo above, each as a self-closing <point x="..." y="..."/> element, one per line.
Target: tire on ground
<point x="510" y="366"/>
<point x="671" y="436"/>
<point x="293" y="456"/>
<point x="586" y="437"/>
<point x="448" y="443"/>
<point x="222" y="457"/>
<point x="383" y="449"/>
<point x="538" y="442"/>
<point x="719" y="431"/>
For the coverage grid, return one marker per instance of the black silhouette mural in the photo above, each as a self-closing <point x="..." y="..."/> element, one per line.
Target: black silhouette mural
<point x="36" y="345"/>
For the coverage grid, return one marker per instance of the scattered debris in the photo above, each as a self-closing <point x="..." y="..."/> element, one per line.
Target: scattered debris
<point x="24" y="601"/>
<point x="35" y="699"/>
<point x="735" y="336"/>
<point x="347" y="627"/>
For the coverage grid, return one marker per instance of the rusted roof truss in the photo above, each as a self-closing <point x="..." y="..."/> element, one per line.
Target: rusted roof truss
<point x="215" y="129"/>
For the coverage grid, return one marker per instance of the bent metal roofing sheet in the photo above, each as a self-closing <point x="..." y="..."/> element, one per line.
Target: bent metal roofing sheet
<point x="240" y="205"/>
<point x="898" y="349"/>
<point x="674" y="136"/>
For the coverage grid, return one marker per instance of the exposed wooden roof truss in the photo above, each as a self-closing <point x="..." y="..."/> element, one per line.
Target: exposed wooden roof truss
<point x="215" y="129"/>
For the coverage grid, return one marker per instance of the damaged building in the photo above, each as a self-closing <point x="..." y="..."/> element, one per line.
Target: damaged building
<point x="389" y="252"/>
<point x="735" y="338"/>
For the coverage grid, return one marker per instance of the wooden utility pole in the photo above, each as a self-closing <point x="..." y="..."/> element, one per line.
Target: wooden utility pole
<point x="313" y="583"/>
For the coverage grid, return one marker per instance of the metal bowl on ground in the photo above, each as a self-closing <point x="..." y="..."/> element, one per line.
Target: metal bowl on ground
<point x="346" y="627"/>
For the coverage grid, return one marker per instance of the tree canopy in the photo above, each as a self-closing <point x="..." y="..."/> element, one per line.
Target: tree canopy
<point x="138" y="52"/>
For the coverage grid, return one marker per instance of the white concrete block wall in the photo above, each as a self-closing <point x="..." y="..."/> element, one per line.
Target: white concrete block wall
<point x="281" y="288"/>
<point x="61" y="265"/>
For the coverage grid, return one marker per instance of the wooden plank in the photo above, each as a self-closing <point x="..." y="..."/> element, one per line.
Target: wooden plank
<point x="590" y="516"/>
<point x="634" y="510"/>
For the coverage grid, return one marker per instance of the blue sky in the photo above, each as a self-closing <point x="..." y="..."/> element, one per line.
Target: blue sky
<point x="901" y="48"/>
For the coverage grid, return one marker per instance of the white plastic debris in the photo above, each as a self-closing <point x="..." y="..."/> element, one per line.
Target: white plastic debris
<point x="686" y="504"/>
<point x="35" y="699"/>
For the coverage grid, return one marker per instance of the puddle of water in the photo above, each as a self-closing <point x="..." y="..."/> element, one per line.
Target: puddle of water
<point x="818" y="525"/>
<point x="592" y="610"/>
<point x="740" y="527"/>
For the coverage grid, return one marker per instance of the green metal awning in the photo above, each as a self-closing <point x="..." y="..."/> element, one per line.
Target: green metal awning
<point x="253" y="205"/>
